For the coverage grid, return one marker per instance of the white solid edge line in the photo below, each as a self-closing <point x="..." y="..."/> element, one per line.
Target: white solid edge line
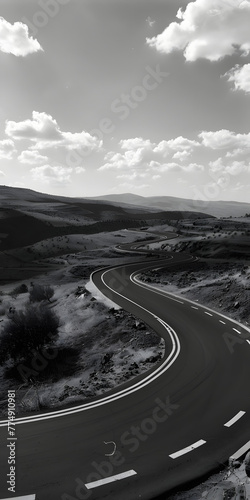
<point x="110" y="479"/>
<point x="234" y="419"/>
<point x="124" y="392"/>
<point x="187" y="449"/>
<point x="235" y="322"/>
<point x="26" y="497"/>
<point x="136" y="281"/>
<point x="113" y="397"/>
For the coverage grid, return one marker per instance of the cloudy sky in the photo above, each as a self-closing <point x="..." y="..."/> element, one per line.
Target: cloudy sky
<point x="111" y="96"/>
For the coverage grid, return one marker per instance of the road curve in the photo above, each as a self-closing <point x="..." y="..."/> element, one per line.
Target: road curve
<point x="157" y="432"/>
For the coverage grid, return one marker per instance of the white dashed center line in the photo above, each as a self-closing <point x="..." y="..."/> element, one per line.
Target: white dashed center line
<point x="234" y="419"/>
<point x="110" y="479"/>
<point x="187" y="449"/>
<point x="193" y="307"/>
<point x="239" y="452"/>
<point x="209" y="314"/>
<point x="223" y="322"/>
<point x="235" y="329"/>
<point x="248" y="341"/>
<point x="26" y="497"/>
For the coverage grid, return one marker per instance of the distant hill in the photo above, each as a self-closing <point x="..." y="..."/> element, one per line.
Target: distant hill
<point x="167" y="203"/>
<point x="27" y="217"/>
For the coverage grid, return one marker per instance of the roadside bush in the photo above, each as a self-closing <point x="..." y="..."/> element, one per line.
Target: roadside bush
<point x="2" y="311"/>
<point x="18" y="290"/>
<point x="27" y="330"/>
<point x="39" y="293"/>
<point x="48" y="364"/>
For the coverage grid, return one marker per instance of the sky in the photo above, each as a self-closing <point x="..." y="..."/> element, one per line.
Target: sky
<point x="150" y="97"/>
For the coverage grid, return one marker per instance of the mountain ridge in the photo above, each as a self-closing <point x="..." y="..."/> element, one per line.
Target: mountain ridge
<point x="219" y="208"/>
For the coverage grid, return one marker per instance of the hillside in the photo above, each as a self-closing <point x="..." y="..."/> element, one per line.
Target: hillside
<point x="27" y="217"/>
<point x="167" y="203"/>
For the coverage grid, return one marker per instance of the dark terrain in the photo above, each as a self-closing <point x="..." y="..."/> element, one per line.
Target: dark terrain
<point x="27" y="217"/>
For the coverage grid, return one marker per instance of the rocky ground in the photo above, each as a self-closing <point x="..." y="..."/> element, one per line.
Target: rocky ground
<point x="223" y="286"/>
<point x="230" y="484"/>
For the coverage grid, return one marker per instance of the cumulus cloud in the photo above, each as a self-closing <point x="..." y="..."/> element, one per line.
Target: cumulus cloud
<point x="238" y="167"/>
<point x="7" y="148"/>
<point x="235" y="152"/>
<point x="79" y="170"/>
<point x="241" y="187"/>
<point x="225" y="139"/>
<point x="142" y="158"/>
<point x="180" y="145"/>
<point x="240" y="76"/>
<point x="48" y="174"/>
<point x="140" y="153"/>
<point x="150" y="21"/>
<point x="31" y="157"/>
<point x="235" y="168"/>
<point x="172" y="166"/>
<point x="208" y="29"/>
<point x="136" y="143"/>
<point x="15" y="39"/>
<point x="42" y="127"/>
<point x="129" y="159"/>
<point x="181" y="155"/>
<point x="44" y="132"/>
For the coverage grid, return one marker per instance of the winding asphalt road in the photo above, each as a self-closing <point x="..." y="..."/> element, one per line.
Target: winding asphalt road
<point x="175" y="424"/>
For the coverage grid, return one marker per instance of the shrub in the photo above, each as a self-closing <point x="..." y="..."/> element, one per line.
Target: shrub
<point x="2" y="310"/>
<point x="27" y="330"/>
<point x="18" y="290"/>
<point x="39" y="293"/>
